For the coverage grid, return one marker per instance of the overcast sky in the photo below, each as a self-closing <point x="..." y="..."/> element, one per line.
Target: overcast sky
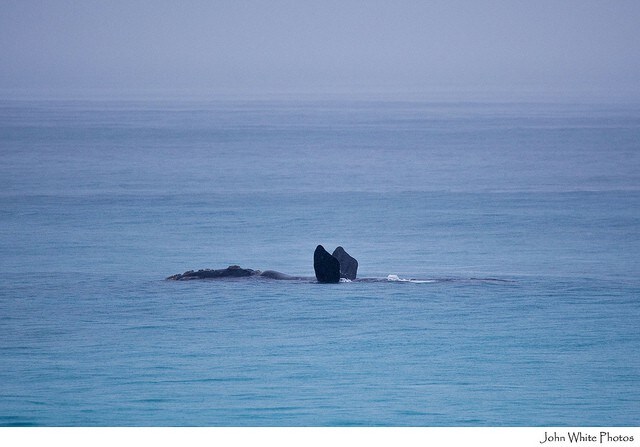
<point x="252" y="47"/>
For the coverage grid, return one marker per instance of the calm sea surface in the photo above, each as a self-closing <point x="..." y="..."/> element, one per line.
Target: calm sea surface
<point x="522" y="220"/>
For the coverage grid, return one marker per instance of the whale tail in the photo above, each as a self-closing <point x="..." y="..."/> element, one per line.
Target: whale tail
<point x="348" y="264"/>
<point x="329" y="268"/>
<point x="326" y="267"/>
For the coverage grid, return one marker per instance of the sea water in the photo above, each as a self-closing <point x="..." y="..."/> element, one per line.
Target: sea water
<point x="518" y="222"/>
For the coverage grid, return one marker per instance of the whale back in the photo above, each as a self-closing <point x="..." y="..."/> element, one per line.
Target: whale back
<point x="233" y="271"/>
<point x="272" y="274"/>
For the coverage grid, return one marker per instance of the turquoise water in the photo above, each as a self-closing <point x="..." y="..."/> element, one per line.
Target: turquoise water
<point x="523" y="219"/>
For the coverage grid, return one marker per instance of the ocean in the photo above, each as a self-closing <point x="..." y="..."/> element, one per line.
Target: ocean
<point x="518" y="222"/>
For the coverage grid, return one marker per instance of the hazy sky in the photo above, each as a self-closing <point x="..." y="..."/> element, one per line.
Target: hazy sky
<point x="250" y="47"/>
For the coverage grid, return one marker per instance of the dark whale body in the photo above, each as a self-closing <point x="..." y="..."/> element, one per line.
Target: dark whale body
<point x="329" y="268"/>
<point x="277" y="275"/>
<point x="233" y="271"/>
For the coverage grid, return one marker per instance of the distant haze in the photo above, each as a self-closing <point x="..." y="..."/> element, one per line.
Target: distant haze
<point x="314" y="47"/>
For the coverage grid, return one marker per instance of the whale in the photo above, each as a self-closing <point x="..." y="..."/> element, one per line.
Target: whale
<point x="328" y="268"/>
<point x="233" y="271"/>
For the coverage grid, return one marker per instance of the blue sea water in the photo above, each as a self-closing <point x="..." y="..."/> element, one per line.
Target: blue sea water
<point x="522" y="220"/>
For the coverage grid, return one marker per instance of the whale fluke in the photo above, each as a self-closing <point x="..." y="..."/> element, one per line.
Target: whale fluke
<point x="348" y="264"/>
<point x="327" y="267"/>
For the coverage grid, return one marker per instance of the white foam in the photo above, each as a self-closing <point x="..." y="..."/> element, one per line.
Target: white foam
<point x="415" y="281"/>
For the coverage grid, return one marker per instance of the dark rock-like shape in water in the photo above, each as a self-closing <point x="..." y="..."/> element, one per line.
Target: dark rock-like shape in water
<point x="348" y="264"/>
<point x="327" y="267"/>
